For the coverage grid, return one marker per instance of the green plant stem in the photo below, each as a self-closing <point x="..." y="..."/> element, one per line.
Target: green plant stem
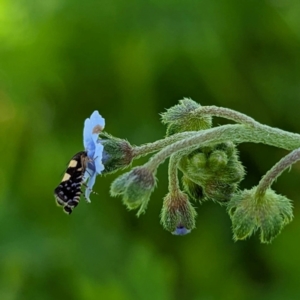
<point x="268" y="179"/>
<point x="226" y="113"/>
<point x="235" y="133"/>
<point x="173" y="175"/>
<point x="143" y="150"/>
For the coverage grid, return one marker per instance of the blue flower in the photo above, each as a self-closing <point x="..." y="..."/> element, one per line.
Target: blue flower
<point x="92" y="144"/>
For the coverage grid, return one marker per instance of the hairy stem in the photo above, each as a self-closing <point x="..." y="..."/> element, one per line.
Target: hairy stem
<point x="173" y="174"/>
<point x="276" y="171"/>
<point x="235" y="133"/>
<point x="139" y="151"/>
<point x="226" y="113"/>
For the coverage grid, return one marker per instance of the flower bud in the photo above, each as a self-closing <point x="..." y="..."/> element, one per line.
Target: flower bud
<point x="216" y="169"/>
<point x="178" y="215"/>
<point x="217" y="160"/>
<point x="194" y="166"/>
<point x="219" y="191"/>
<point x="268" y="213"/>
<point x="117" y="153"/>
<point x="194" y="190"/>
<point x="197" y="160"/>
<point x="180" y="118"/>
<point x="136" y="187"/>
<point x="228" y="147"/>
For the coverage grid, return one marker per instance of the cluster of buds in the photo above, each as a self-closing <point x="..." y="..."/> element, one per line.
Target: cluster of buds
<point x="211" y="169"/>
<point x="212" y="172"/>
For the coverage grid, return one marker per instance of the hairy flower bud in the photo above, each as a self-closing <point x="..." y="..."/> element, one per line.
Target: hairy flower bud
<point x="117" y="153"/>
<point x="216" y="169"/>
<point x="217" y="160"/>
<point x="178" y="215"/>
<point x="269" y="213"/>
<point x="194" y="190"/>
<point x="219" y="191"/>
<point x="198" y="160"/>
<point x="136" y="187"/>
<point x="228" y="147"/>
<point x="180" y="118"/>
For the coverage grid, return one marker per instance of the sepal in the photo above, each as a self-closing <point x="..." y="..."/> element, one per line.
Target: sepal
<point x="117" y="153"/>
<point x="135" y="187"/>
<point x="181" y="117"/>
<point x="194" y="190"/>
<point x="268" y="213"/>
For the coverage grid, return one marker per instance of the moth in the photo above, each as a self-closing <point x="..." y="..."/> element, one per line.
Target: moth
<point x="68" y="192"/>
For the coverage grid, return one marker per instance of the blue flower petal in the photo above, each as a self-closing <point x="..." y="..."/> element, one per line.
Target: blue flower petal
<point x="90" y="177"/>
<point x="88" y="142"/>
<point x="181" y="230"/>
<point x="92" y="144"/>
<point x="92" y="127"/>
<point x="97" y="124"/>
<point x="96" y="119"/>
<point x="99" y="167"/>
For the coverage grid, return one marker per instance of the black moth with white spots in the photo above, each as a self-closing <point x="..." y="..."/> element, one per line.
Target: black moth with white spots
<point x="68" y="193"/>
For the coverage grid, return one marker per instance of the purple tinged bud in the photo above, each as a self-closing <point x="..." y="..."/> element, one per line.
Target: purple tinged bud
<point x="181" y="230"/>
<point x="178" y="215"/>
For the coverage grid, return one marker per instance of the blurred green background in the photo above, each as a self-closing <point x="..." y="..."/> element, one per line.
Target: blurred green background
<point x="62" y="59"/>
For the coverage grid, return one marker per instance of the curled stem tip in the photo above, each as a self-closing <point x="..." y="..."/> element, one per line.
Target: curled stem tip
<point x="268" y="179"/>
<point x="226" y="113"/>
